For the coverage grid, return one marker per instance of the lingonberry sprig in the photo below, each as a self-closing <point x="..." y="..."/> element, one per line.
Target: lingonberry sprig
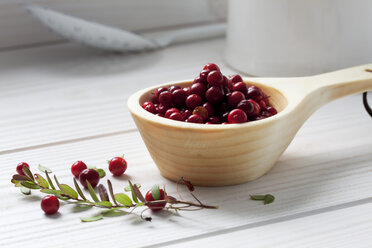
<point x="115" y="203"/>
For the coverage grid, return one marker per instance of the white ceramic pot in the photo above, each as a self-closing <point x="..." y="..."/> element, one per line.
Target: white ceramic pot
<point x="298" y="37"/>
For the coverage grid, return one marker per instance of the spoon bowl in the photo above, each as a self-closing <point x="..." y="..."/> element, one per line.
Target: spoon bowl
<point x="217" y="155"/>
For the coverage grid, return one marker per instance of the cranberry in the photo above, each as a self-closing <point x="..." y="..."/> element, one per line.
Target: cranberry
<point x="256" y="109"/>
<point x="187" y="90"/>
<point x="215" y="78"/>
<point x="235" y="79"/>
<point x="211" y="67"/>
<point x="117" y="166"/>
<point x="89" y="175"/>
<point x="234" y="98"/>
<point x="254" y="93"/>
<point x="223" y="107"/>
<point x="174" y="87"/>
<point x="146" y="103"/>
<point x="77" y="168"/>
<point x="246" y="106"/>
<point x="271" y="110"/>
<point x="203" y="76"/>
<point x="201" y="111"/>
<point x="209" y="108"/>
<point x="162" y="109"/>
<point x="170" y="111"/>
<point x="214" y="120"/>
<point x="157" y="93"/>
<point x="240" y="86"/>
<point x="179" y="97"/>
<point x="165" y="98"/>
<point x="19" y="168"/>
<point x="262" y="104"/>
<point x="50" y="204"/>
<point x="150" y="107"/>
<point x="198" y="89"/>
<point x="195" y="119"/>
<point x="176" y="116"/>
<point x="159" y="114"/>
<point x="225" y="81"/>
<point x="158" y="206"/>
<point x="193" y="101"/>
<point x="186" y="113"/>
<point x="196" y="80"/>
<point x="237" y="116"/>
<point x="214" y="95"/>
<point x="226" y="90"/>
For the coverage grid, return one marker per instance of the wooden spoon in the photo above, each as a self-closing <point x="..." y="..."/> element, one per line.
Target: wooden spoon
<point x="216" y="155"/>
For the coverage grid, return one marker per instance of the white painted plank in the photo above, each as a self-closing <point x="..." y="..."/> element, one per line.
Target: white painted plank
<point x="306" y="178"/>
<point x="350" y="227"/>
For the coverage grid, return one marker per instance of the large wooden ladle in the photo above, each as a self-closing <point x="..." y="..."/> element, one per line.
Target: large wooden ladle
<point x="216" y="155"/>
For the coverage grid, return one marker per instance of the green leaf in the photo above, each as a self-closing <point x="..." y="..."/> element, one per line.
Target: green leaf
<point x="257" y="197"/>
<point x="49" y="180"/>
<point x="43" y="168"/>
<point x="52" y="191"/>
<point x="103" y="193"/>
<point x="129" y="187"/>
<point x="30" y="185"/>
<point x="134" y="197"/>
<point x="91" y="192"/>
<point x="55" y="178"/>
<point x="18" y="178"/>
<point x="123" y="199"/>
<point x="101" y="173"/>
<point x="69" y="191"/>
<point x="155" y="191"/>
<point x="41" y="181"/>
<point x="25" y="191"/>
<point x="92" y="167"/>
<point x="269" y="199"/>
<point x="78" y="189"/>
<point x="28" y="173"/>
<point x="113" y="212"/>
<point x="92" y="218"/>
<point x="111" y="192"/>
<point x="104" y="204"/>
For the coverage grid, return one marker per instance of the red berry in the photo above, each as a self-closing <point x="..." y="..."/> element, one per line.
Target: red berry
<point x="234" y="98"/>
<point x="235" y="78"/>
<point x="254" y="93"/>
<point x="150" y="107"/>
<point x="211" y="67"/>
<point x="77" y="168"/>
<point x="162" y="109"/>
<point x="256" y="109"/>
<point x="198" y="89"/>
<point x="237" y="116"/>
<point x="50" y="204"/>
<point x="186" y="113"/>
<point x="193" y="101"/>
<point x="179" y="97"/>
<point x="246" y="106"/>
<point x="19" y="168"/>
<point x="195" y="119"/>
<point x="176" y="116"/>
<point x="187" y="90"/>
<point x="201" y="111"/>
<point x="262" y="104"/>
<point x="240" y="86"/>
<point x="157" y="93"/>
<point x="170" y="111"/>
<point x="209" y="108"/>
<point x="215" y="78"/>
<point x="89" y="175"/>
<point x="145" y="104"/>
<point x="117" y="166"/>
<point x="158" y="206"/>
<point x="214" y="120"/>
<point x="196" y="80"/>
<point x="174" y="87"/>
<point x="203" y="76"/>
<point x="214" y="95"/>
<point x="271" y="110"/>
<point x="165" y="98"/>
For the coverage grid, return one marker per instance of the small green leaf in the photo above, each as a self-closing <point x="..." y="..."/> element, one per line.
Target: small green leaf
<point x="111" y="192"/>
<point x="52" y="191"/>
<point x="41" y="181"/>
<point x="123" y="199"/>
<point x="68" y="191"/>
<point x="257" y="197"/>
<point x="101" y="173"/>
<point x="269" y="199"/>
<point x="91" y="192"/>
<point x="28" y="173"/>
<point x="140" y="204"/>
<point x="78" y="189"/>
<point x="92" y="218"/>
<point x="55" y="178"/>
<point x="43" y="168"/>
<point x="134" y="197"/>
<point x="155" y="191"/>
<point x="49" y="180"/>
<point x="25" y="191"/>
<point x="129" y="187"/>
<point x="30" y="185"/>
<point x="104" y="204"/>
<point x="113" y="212"/>
<point x="18" y="178"/>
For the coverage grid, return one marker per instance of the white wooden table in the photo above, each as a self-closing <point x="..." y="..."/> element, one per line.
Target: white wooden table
<point x="62" y="103"/>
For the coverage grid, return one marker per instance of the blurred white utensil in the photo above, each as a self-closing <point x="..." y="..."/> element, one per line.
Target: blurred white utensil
<point x="114" y="39"/>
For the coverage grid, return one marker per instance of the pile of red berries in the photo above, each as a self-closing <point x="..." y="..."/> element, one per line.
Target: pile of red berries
<point x="212" y="99"/>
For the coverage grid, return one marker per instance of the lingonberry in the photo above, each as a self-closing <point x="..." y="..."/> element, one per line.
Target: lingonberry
<point x="203" y="76"/>
<point x="147" y="103"/>
<point x="174" y="87"/>
<point x="271" y="110"/>
<point x="234" y="98"/>
<point x="235" y="79"/>
<point x="254" y="93"/>
<point x="214" y="95"/>
<point x="165" y="98"/>
<point x="170" y="111"/>
<point x="176" y="116"/>
<point x="150" y="107"/>
<point x="201" y="111"/>
<point x="89" y="175"/>
<point x="158" y="206"/>
<point x="196" y="80"/>
<point x="240" y="86"/>
<point x="256" y="109"/>
<point x="19" y="168"/>
<point x="246" y="106"/>
<point x="211" y="67"/>
<point x="262" y="104"/>
<point x="237" y="116"/>
<point x="187" y="90"/>
<point x="214" y="120"/>
<point x="198" y="89"/>
<point x="193" y="101"/>
<point x="157" y="93"/>
<point x="179" y="97"/>
<point x="186" y="113"/>
<point x="50" y="204"/>
<point x="162" y="109"/>
<point x="77" y="168"/>
<point x="215" y="78"/>
<point x="209" y="108"/>
<point x="117" y="166"/>
<point x="195" y="119"/>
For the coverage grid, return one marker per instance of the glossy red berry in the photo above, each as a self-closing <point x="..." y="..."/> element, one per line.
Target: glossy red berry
<point x="165" y="98"/>
<point x="77" y="168"/>
<point x="89" y="175"/>
<point x="187" y="90"/>
<point x="246" y="106"/>
<point x="186" y="113"/>
<point x="271" y="110"/>
<point x="209" y="108"/>
<point x="193" y="101"/>
<point x="179" y="97"/>
<point x="201" y="111"/>
<point x="195" y="119"/>
<point x="170" y="111"/>
<point x="234" y="98"/>
<point x="176" y="116"/>
<point x="19" y="168"/>
<point x="254" y="93"/>
<point x="237" y="116"/>
<point x="215" y="78"/>
<point x="117" y="166"/>
<point x="214" y="95"/>
<point x="161" y="109"/>
<point x="155" y="207"/>
<point x="211" y="67"/>
<point x="198" y="89"/>
<point x="50" y="204"/>
<point x="174" y="87"/>
<point x="240" y="86"/>
<point x="256" y="109"/>
<point x="214" y="120"/>
<point x="235" y="79"/>
<point x="203" y="76"/>
<point x="150" y="107"/>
